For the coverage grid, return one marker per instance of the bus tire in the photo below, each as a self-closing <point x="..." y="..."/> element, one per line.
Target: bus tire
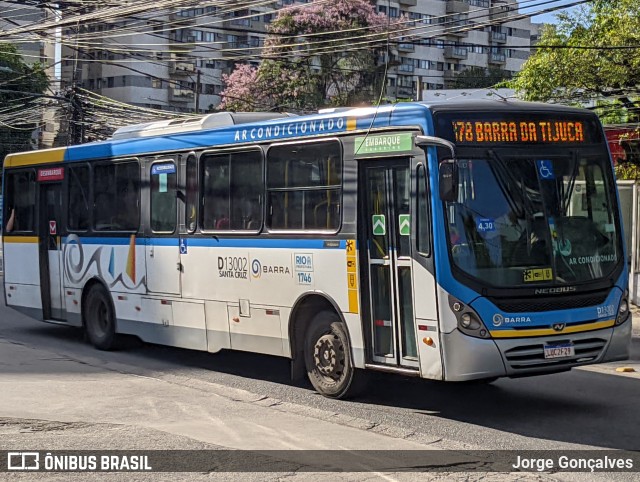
<point x="327" y="356"/>
<point x="99" y="318"/>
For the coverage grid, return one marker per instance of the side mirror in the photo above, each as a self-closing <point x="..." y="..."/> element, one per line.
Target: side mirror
<point x="448" y="180"/>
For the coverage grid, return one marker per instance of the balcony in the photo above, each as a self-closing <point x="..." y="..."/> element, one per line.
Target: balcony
<point x="459" y="53"/>
<point x="457" y="6"/>
<point x="406" y="68"/>
<point x="499" y="12"/>
<point x="183" y="68"/>
<point x="183" y="43"/>
<point x="180" y="20"/>
<point x="181" y="95"/>
<point x="497" y="58"/>
<point x="408" y="3"/>
<point x="405" y="92"/>
<point x="457" y="28"/>
<point x="450" y="75"/>
<point x="406" y="47"/>
<point x="498" y="37"/>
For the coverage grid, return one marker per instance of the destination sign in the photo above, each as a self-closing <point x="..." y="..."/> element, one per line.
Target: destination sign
<point x="523" y="131"/>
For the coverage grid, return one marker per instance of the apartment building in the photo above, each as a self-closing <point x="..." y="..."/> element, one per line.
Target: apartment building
<point x="35" y="49"/>
<point x="452" y="36"/>
<point x="175" y="61"/>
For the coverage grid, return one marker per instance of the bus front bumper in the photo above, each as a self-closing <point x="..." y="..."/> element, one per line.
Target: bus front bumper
<point x="468" y="358"/>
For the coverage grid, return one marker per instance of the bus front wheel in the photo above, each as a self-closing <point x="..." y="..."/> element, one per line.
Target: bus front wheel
<point x="100" y="324"/>
<point x="327" y="356"/>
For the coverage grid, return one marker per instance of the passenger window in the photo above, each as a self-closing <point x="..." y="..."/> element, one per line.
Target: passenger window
<point x="116" y="203"/>
<point x="232" y="186"/>
<point x="20" y="200"/>
<point x="191" y="202"/>
<point x="79" y="210"/>
<point x="163" y="197"/>
<point x="304" y="186"/>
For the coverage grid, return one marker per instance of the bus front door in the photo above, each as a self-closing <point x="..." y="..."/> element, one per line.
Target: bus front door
<point x="49" y="248"/>
<point x="385" y="188"/>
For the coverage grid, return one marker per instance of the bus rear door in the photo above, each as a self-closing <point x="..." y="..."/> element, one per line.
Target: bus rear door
<point x="49" y="244"/>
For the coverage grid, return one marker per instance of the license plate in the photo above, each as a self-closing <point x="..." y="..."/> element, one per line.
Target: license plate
<point x="559" y="351"/>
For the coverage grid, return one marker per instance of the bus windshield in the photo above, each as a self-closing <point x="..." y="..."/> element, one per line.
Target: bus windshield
<point x="523" y="220"/>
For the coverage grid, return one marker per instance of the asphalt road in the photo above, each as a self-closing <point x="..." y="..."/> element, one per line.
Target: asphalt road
<point x="576" y="409"/>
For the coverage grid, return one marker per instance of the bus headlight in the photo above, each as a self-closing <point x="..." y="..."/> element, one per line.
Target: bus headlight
<point x="469" y="322"/>
<point x="623" y="309"/>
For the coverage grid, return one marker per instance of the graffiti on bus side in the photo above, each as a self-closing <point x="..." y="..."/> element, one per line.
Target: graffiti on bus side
<point x="76" y="269"/>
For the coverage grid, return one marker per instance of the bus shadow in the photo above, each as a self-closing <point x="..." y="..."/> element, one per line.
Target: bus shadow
<point x="575" y="407"/>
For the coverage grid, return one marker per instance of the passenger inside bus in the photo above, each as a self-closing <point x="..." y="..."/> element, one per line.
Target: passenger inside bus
<point x="11" y="221"/>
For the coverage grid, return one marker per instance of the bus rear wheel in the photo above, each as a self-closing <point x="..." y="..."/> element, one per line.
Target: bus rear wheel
<point x="99" y="319"/>
<point x="327" y="356"/>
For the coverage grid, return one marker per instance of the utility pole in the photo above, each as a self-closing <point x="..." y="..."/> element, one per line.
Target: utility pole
<point x="197" y="97"/>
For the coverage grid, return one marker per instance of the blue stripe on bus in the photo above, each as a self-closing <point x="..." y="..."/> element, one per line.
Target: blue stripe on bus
<point x="221" y="242"/>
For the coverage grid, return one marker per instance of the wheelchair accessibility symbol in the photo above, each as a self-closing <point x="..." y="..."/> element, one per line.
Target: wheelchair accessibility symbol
<point x="545" y="170"/>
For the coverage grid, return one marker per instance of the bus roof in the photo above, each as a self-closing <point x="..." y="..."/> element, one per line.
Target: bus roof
<point x="139" y="140"/>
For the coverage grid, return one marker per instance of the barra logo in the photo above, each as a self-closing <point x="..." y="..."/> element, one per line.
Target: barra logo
<point x="23" y="461"/>
<point x="256" y="268"/>
<point x="498" y="319"/>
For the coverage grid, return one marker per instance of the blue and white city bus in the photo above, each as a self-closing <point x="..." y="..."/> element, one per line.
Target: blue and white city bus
<point x="451" y="241"/>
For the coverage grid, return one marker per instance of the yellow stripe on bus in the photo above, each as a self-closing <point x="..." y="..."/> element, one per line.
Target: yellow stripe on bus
<point x="46" y="156"/>
<point x="550" y="331"/>
<point x="20" y="239"/>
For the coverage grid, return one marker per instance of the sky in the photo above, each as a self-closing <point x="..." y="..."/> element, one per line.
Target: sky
<point x="547" y="17"/>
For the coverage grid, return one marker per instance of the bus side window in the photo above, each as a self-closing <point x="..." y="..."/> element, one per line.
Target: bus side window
<point x="423" y="215"/>
<point x="191" y="203"/>
<point x="79" y="209"/>
<point x="20" y="197"/>
<point x="304" y="186"/>
<point x="163" y="197"/>
<point x="116" y="189"/>
<point x="232" y="185"/>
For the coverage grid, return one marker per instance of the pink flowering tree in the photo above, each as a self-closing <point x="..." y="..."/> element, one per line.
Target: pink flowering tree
<point x="318" y="54"/>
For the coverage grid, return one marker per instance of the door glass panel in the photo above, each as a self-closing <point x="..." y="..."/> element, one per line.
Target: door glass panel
<point x="377" y="214"/>
<point x="381" y="310"/>
<point x="406" y="312"/>
<point x="402" y="185"/>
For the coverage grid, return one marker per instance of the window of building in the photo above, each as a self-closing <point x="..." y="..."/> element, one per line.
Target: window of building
<point x="164" y="176"/>
<point x="116" y="188"/>
<point x="20" y="199"/>
<point x="79" y="205"/>
<point x="232" y="186"/>
<point x="304" y="186"/>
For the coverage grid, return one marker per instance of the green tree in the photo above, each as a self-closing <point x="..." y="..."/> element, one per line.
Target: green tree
<point x="479" y="78"/>
<point x="316" y="55"/>
<point x="567" y="68"/>
<point x="20" y="86"/>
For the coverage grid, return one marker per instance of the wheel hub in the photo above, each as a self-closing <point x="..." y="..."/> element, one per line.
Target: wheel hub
<point x="328" y="355"/>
